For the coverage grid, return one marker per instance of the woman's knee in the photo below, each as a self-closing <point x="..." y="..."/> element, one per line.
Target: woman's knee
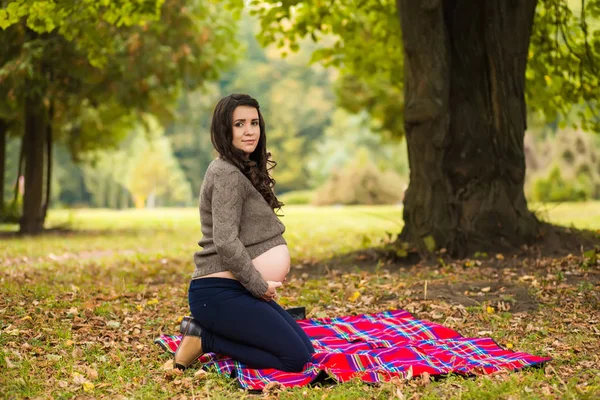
<point x="297" y="363"/>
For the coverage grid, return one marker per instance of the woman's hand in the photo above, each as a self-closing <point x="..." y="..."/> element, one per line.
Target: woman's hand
<point x="271" y="290"/>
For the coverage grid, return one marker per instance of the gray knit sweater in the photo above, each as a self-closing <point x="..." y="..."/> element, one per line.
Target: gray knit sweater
<point x="237" y="226"/>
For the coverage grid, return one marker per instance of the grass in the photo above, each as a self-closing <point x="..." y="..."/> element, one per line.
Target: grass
<point x="79" y="311"/>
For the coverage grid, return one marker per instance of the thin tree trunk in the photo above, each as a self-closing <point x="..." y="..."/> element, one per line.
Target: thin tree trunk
<point x="3" y="130"/>
<point x="34" y="141"/>
<point x="465" y="121"/>
<point x="49" y="159"/>
<point x="19" y="172"/>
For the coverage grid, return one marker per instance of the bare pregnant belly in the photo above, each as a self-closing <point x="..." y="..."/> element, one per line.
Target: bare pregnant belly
<point x="273" y="265"/>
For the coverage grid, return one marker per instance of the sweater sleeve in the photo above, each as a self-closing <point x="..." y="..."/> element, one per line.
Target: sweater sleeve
<point x="227" y="200"/>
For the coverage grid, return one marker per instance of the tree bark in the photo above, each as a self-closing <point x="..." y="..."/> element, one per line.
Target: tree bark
<point x="49" y="160"/>
<point x="3" y="130"/>
<point x="19" y="172"/>
<point x="465" y="122"/>
<point x="36" y="121"/>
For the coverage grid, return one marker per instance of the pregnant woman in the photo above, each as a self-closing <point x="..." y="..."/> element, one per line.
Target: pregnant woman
<point x="244" y="257"/>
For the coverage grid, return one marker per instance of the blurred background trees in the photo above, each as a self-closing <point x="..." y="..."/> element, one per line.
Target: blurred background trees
<point x="118" y="101"/>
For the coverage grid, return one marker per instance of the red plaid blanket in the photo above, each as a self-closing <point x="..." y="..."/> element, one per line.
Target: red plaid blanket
<point x="374" y="348"/>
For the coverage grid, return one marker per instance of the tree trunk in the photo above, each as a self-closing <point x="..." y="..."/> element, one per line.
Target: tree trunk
<point x="19" y="172"/>
<point x="49" y="159"/>
<point x="465" y="122"/>
<point x="3" y="130"/>
<point x="36" y="121"/>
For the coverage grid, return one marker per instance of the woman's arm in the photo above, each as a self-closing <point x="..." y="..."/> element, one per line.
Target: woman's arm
<point x="227" y="199"/>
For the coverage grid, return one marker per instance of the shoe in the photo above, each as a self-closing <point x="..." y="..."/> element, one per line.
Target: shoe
<point x="297" y="312"/>
<point x="190" y="347"/>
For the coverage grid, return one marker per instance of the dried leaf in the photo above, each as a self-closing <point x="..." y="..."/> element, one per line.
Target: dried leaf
<point x="78" y="379"/>
<point x="399" y="393"/>
<point x="167" y="366"/>
<point x="272" y="387"/>
<point x="200" y="374"/>
<point x="9" y="364"/>
<point x="91" y="373"/>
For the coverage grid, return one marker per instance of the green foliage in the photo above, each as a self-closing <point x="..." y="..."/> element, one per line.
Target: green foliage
<point x="344" y="138"/>
<point x="363" y="39"/>
<point x="154" y="172"/>
<point x="144" y="63"/>
<point x="360" y="38"/>
<point x="361" y="182"/>
<point x="189" y="133"/>
<point x="563" y="166"/>
<point x="556" y="188"/>
<point x="296" y="101"/>
<point x="88" y="23"/>
<point x="563" y="75"/>
<point x="143" y="169"/>
<point x="297" y="197"/>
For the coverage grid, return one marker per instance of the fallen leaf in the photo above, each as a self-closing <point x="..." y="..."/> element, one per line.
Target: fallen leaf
<point x="486" y="289"/>
<point x="78" y="379"/>
<point x="200" y="374"/>
<point x="91" y="373"/>
<point x="167" y="366"/>
<point x="77" y="352"/>
<point x="425" y="378"/>
<point x="354" y="296"/>
<point x="272" y="387"/>
<point x="88" y="386"/>
<point x="399" y="393"/>
<point x="113" y="324"/>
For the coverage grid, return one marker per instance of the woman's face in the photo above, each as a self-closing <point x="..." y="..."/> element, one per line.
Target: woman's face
<point x="246" y="130"/>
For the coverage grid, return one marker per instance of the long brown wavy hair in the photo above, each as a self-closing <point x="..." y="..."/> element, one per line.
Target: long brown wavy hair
<point x="256" y="167"/>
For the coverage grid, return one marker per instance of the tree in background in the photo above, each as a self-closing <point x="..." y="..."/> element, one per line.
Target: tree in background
<point x="82" y="73"/>
<point x="361" y="181"/>
<point x="465" y="66"/>
<point x="341" y="142"/>
<point x="189" y="133"/>
<point x="154" y="173"/>
<point x="296" y="100"/>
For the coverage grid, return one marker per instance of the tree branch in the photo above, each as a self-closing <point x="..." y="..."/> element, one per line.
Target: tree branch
<point x="585" y="39"/>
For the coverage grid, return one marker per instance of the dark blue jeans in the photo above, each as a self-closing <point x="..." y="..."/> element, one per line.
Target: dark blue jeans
<point x="258" y="333"/>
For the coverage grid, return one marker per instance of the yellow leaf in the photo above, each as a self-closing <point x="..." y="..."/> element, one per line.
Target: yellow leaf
<point x="547" y="79"/>
<point x="355" y="296"/>
<point x="509" y="345"/>
<point x="490" y="310"/>
<point x="26" y="318"/>
<point x="88" y="386"/>
<point x="179" y="319"/>
<point x="69" y="343"/>
<point x="153" y="301"/>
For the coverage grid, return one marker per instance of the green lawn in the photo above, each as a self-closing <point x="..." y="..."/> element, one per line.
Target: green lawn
<point x="79" y="311"/>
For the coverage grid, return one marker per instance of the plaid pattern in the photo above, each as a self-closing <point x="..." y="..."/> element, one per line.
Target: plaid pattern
<point x="375" y="348"/>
